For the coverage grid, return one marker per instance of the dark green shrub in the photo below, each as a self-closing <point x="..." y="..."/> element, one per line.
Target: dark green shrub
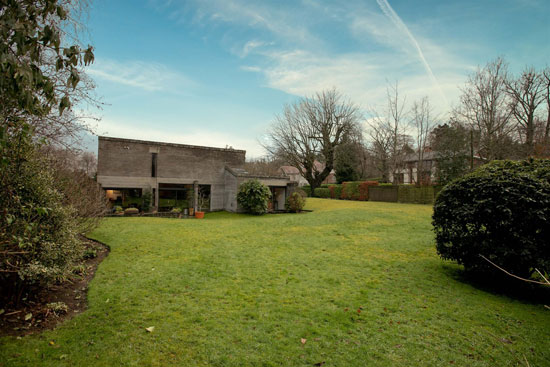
<point x="307" y="190"/>
<point x="322" y="192"/>
<point x="253" y="197"/>
<point x="500" y="211"/>
<point x="37" y="232"/>
<point x="295" y="202"/>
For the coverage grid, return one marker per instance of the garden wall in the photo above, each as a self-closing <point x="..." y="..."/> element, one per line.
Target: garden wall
<point x="371" y="190"/>
<point x="384" y="193"/>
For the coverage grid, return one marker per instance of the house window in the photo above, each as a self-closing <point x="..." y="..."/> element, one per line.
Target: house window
<point x="153" y="164"/>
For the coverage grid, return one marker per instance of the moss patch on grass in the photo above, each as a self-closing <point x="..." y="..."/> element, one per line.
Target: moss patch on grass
<point x="359" y="281"/>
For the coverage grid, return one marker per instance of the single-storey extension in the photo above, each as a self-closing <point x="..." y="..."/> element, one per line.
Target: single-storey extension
<point x="178" y="175"/>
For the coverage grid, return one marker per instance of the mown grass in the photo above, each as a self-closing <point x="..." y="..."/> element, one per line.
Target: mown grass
<point x="359" y="281"/>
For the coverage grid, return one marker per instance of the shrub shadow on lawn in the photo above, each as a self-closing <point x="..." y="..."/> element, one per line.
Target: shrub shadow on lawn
<point x="500" y="285"/>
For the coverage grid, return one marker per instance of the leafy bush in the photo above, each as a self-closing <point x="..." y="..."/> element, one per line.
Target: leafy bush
<point x="175" y="210"/>
<point x="253" y="197"/>
<point x="322" y="192"/>
<point x="118" y="209"/>
<point x="37" y="232"/>
<point x="131" y="211"/>
<point x="295" y="202"/>
<point x="500" y="211"/>
<point x="307" y="190"/>
<point x="89" y="253"/>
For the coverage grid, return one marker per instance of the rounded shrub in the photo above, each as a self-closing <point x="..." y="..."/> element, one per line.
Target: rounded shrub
<point x="253" y="197"/>
<point x="500" y="211"/>
<point x="295" y="202"/>
<point x="131" y="211"/>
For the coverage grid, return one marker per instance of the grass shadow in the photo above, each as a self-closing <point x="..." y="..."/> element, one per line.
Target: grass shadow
<point x="500" y="284"/>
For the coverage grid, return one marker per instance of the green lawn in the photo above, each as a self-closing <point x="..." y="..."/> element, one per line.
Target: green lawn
<point x="359" y="281"/>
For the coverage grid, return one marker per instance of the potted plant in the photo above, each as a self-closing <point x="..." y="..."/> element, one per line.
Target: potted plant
<point x="203" y="202"/>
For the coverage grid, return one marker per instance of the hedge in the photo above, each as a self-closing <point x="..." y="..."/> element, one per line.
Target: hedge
<point x="322" y="192"/>
<point x="335" y="191"/>
<point x="360" y="190"/>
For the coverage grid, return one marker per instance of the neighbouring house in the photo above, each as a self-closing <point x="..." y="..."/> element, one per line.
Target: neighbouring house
<point x="294" y="174"/>
<point x="408" y="174"/>
<point x="178" y="175"/>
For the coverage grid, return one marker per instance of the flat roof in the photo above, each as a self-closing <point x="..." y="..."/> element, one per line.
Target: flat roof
<point x="108" y="138"/>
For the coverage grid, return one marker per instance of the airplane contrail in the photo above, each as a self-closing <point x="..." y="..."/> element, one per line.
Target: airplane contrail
<point x="390" y="13"/>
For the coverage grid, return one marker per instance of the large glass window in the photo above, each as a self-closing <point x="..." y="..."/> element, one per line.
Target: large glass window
<point x="175" y="196"/>
<point x="126" y="198"/>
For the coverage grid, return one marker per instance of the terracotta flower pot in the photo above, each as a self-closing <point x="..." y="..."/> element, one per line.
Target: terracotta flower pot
<point x="199" y="215"/>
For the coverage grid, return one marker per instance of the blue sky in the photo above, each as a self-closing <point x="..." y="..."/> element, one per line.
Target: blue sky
<point x="215" y="72"/>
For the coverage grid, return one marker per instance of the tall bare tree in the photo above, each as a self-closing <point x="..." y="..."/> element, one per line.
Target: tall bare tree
<point x="546" y="82"/>
<point x="422" y="119"/>
<point x="526" y="95"/>
<point x="484" y="106"/>
<point x="388" y="135"/>
<point x="310" y="130"/>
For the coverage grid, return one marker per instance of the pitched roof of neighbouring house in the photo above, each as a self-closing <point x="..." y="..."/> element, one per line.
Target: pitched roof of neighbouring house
<point x="289" y="170"/>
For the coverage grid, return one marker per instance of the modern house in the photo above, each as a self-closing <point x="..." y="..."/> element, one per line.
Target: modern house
<point x="178" y="175"/>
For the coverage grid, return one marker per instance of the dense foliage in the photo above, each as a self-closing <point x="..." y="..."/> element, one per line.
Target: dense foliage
<point x="37" y="231"/>
<point x="253" y="197"/>
<point x="38" y="72"/>
<point x="500" y="211"/>
<point x="40" y="77"/>
<point x="295" y="202"/>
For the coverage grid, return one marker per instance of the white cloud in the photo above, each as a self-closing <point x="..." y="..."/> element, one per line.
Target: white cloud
<point x="151" y="77"/>
<point x="362" y="77"/>
<point x="200" y="136"/>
